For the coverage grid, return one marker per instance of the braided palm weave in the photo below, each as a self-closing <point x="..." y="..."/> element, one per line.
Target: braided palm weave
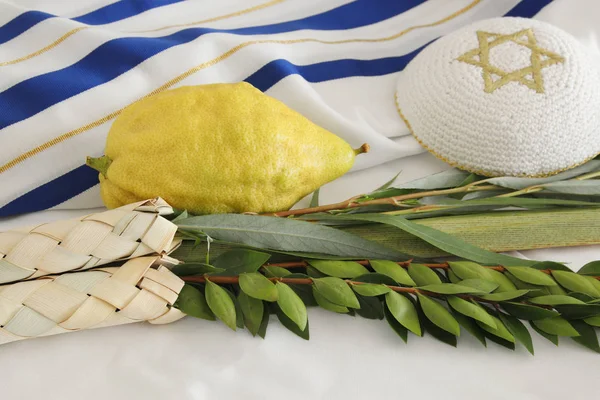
<point x="87" y="242"/>
<point x="142" y="289"/>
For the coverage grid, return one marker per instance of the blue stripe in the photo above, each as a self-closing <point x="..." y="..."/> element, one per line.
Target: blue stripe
<point x="104" y="15"/>
<point x="118" y="56"/>
<point x="83" y="178"/>
<point x="528" y="8"/>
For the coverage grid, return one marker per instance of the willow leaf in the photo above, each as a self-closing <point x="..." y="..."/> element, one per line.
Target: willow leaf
<point x="442" y="180"/>
<point x="239" y="261"/>
<point x="441" y="240"/>
<point x="284" y="234"/>
<point x="589" y="187"/>
<point x="314" y="200"/>
<point x="522" y="183"/>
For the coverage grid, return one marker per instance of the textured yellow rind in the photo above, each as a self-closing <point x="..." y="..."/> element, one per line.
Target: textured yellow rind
<point x="219" y="148"/>
<point x="87" y="242"/>
<point x="141" y="290"/>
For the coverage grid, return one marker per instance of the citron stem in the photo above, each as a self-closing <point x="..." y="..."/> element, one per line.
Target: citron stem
<point x="100" y="164"/>
<point x="362" y="149"/>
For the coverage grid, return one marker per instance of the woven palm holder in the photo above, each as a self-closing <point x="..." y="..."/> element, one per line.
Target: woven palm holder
<point x="142" y="289"/>
<point x="87" y="242"/>
<point x="504" y="97"/>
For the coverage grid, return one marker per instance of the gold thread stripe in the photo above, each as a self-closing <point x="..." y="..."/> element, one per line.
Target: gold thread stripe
<point x="74" y="31"/>
<point x="191" y="71"/>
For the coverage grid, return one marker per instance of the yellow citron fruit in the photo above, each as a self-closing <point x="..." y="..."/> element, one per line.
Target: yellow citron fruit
<point x="217" y="149"/>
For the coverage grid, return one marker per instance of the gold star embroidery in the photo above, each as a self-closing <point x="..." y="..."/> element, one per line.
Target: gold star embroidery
<point x="540" y="58"/>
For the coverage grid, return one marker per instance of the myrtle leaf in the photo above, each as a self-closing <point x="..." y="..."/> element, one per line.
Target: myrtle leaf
<point x="340" y="269"/>
<point x="326" y="304"/>
<point x="575" y="283"/>
<point x="551" y="338"/>
<point x="452" y="277"/>
<point x="404" y="312"/>
<point x="370" y="307"/>
<point x="437" y="314"/>
<point x="375" y="277"/>
<point x="530" y="275"/>
<point x="504" y="296"/>
<point x="587" y="336"/>
<point x="393" y="270"/>
<point x="500" y="330"/>
<point x="238" y="261"/>
<point x="370" y="289"/>
<point x="594" y="321"/>
<point x="504" y="284"/>
<point x="556" y="326"/>
<point x="483" y="286"/>
<point x="395" y="325"/>
<point x="470" y="326"/>
<point x="336" y="291"/>
<point x="252" y="311"/>
<point x="292" y="325"/>
<point x="262" y="329"/>
<point x="449" y="288"/>
<point x="291" y="305"/>
<point x="518" y="330"/>
<point x="472" y="310"/>
<point x="469" y="270"/>
<point x="221" y="304"/>
<point x="591" y="268"/>
<point x="275" y="272"/>
<point x="552" y="300"/>
<point x="257" y="286"/>
<point x="578" y="311"/>
<point x="191" y="301"/>
<point x="528" y="312"/>
<point x="423" y="275"/>
<point x="551" y="265"/>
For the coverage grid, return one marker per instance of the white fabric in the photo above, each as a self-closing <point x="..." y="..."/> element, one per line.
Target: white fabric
<point x="542" y="123"/>
<point x="346" y="358"/>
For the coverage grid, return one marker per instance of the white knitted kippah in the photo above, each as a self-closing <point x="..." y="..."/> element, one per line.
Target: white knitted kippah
<point x="504" y="96"/>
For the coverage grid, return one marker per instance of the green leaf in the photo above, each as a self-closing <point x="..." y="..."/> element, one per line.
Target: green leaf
<point x="220" y="304"/>
<point x="336" y="291"/>
<point x="370" y="289"/>
<point x="552" y="300"/>
<point x="262" y="329"/>
<point x="551" y="338"/>
<point x="578" y="311"/>
<point x="469" y="270"/>
<point x="500" y="330"/>
<point x="439" y="239"/>
<point x="442" y="180"/>
<point x="551" y="265"/>
<point x="423" y="275"/>
<point x="581" y="296"/>
<point x="303" y="291"/>
<point x="526" y="311"/>
<point x="370" y="307"/>
<point x="314" y="200"/>
<point x="188" y="269"/>
<point x="238" y="261"/>
<point x="191" y="301"/>
<point x="594" y="321"/>
<point x="438" y="333"/>
<point x="534" y="290"/>
<point x="556" y="326"/>
<point x="575" y="283"/>
<point x="291" y="305"/>
<point x="404" y="312"/>
<point x="374" y="277"/>
<point x="291" y="325"/>
<point x="393" y="270"/>
<point x="518" y="330"/>
<point x="395" y="325"/>
<point x="182" y="215"/>
<point x="483" y="286"/>
<point x="587" y="187"/>
<point x="470" y="326"/>
<point x="522" y="183"/>
<point x="472" y="310"/>
<point x="504" y="296"/>
<point x="314" y="273"/>
<point x="530" y="275"/>
<point x="452" y="277"/>
<point x="340" y="269"/>
<point x="591" y="268"/>
<point x="388" y="183"/>
<point x="504" y="284"/>
<point x="437" y="314"/>
<point x="448" y="288"/>
<point x="252" y="311"/>
<point x="587" y="335"/>
<point x="239" y="317"/>
<point x="285" y="234"/>
<point x="326" y="304"/>
<point x="257" y="286"/>
<point x="276" y="272"/>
